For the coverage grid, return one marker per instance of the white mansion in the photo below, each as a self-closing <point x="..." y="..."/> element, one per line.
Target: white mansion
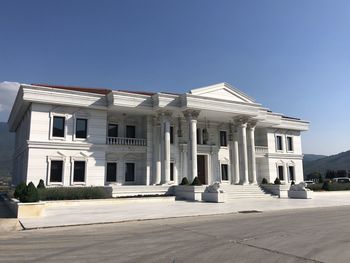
<point x="96" y="137"/>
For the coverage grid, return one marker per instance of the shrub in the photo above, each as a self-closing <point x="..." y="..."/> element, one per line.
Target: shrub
<point x="196" y="181"/>
<point x="277" y="181"/>
<point x="41" y="184"/>
<point x="335" y="186"/>
<point x="73" y="193"/>
<point x="30" y="194"/>
<point x="325" y="186"/>
<point x="19" y="190"/>
<point x="184" y="181"/>
<point x="264" y="181"/>
<point x="315" y="187"/>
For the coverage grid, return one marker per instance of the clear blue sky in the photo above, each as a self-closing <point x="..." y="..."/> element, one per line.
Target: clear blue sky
<point x="292" y="56"/>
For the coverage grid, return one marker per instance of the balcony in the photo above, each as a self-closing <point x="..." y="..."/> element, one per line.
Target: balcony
<point x="261" y="149"/>
<point x="126" y="141"/>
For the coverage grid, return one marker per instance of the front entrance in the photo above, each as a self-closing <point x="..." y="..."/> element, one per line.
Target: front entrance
<point x="201" y="169"/>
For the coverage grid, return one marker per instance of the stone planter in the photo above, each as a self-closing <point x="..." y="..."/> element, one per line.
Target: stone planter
<point x="213" y="197"/>
<point x="306" y="194"/>
<point x="189" y="192"/>
<point x="281" y="190"/>
<point x="25" y="210"/>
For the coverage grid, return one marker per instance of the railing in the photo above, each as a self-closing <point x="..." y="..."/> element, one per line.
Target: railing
<point x="126" y="141"/>
<point x="261" y="149"/>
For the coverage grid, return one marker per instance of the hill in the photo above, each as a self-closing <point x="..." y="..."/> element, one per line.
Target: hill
<point x="321" y="164"/>
<point x="7" y="144"/>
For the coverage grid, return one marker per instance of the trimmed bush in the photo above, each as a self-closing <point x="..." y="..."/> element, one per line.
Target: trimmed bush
<point x="73" y="193"/>
<point x="19" y="190"/>
<point x="41" y="184"/>
<point x="196" y="181"/>
<point x="184" y="181"/>
<point x="315" y="187"/>
<point x="30" y="194"/>
<point x="264" y="181"/>
<point x="277" y="181"/>
<point x="327" y="186"/>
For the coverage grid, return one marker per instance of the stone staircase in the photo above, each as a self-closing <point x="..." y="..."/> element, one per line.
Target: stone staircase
<point x="234" y="192"/>
<point x="140" y="190"/>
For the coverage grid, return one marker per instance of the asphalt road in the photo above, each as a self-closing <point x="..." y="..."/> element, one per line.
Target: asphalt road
<point x="308" y="235"/>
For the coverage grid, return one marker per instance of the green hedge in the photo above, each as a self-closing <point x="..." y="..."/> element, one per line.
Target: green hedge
<point x="315" y="187"/>
<point x="336" y="186"/>
<point x="73" y="193"/>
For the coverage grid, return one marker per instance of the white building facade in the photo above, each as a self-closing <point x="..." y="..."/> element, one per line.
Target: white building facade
<point x="71" y="136"/>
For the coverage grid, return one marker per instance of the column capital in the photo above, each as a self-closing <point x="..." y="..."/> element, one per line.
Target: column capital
<point x="241" y="121"/>
<point x="252" y="124"/>
<point x="164" y="115"/>
<point x="191" y="114"/>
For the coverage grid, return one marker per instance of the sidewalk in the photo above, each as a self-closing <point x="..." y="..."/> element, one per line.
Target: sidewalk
<point x="97" y="214"/>
<point x="7" y="220"/>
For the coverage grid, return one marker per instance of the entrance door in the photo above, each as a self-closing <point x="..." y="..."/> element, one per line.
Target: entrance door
<point x="201" y="169"/>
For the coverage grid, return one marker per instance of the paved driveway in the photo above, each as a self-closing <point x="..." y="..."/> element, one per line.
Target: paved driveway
<point x="91" y="214"/>
<point x="307" y="235"/>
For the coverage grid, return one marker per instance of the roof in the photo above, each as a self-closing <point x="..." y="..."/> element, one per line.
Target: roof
<point x="74" y="88"/>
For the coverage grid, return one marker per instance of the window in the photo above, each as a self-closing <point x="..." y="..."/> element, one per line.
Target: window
<point x="291" y="173"/>
<point x="112" y="130"/>
<point x="56" y="171"/>
<point x="79" y="172"/>
<point x="224" y="172"/>
<point x="81" y="128"/>
<point x="280" y="172"/>
<point x="223" y="138"/>
<point x="171" y="171"/>
<point x="198" y="136"/>
<point x="130" y="131"/>
<point x="129" y="172"/>
<point x="58" y="126"/>
<point x="171" y="134"/>
<point x="111" y="172"/>
<point x="279" y="145"/>
<point x="290" y="144"/>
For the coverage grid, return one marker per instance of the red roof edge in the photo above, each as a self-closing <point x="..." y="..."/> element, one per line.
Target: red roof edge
<point x="81" y="89"/>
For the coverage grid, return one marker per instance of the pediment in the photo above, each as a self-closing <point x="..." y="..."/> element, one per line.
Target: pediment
<point x="222" y="91"/>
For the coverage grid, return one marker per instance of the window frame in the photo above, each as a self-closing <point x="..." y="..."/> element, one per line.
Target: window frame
<point x="289" y="169"/>
<point x="75" y="128"/>
<point x="112" y="123"/>
<point x="220" y="142"/>
<point x="78" y="159"/>
<point x="126" y="131"/>
<point x="276" y="142"/>
<point x="278" y="172"/>
<point x="52" y="117"/>
<point x="292" y="143"/>
<point x="49" y="160"/>
<point x="125" y="172"/>
<point x="227" y="172"/>
<point x="116" y="172"/>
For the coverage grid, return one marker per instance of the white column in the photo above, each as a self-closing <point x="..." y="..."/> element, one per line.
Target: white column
<point x="166" y="151"/>
<point x="236" y="158"/>
<point x="156" y="152"/>
<point x="244" y="154"/>
<point x="252" y="159"/>
<point x="192" y="143"/>
<point x="165" y="147"/>
<point x="149" y="151"/>
<point x="285" y="173"/>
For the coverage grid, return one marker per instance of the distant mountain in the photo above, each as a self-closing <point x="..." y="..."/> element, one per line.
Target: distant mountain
<point x="7" y="145"/>
<point x="320" y="163"/>
<point x="313" y="157"/>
